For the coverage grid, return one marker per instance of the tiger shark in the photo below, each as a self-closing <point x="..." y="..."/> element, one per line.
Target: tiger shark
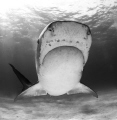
<point x="62" y="52"/>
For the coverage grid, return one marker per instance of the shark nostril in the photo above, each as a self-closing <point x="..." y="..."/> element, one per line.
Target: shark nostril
<point x="88" y="32"/>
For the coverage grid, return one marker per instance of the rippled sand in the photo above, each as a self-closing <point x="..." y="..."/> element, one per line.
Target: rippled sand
<point x="74" y="107"/>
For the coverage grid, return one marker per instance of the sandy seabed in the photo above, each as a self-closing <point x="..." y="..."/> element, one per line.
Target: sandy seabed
<point x="73" y="107"/>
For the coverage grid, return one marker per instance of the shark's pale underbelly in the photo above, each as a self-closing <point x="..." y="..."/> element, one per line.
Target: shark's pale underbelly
<point x="61" y="70"/>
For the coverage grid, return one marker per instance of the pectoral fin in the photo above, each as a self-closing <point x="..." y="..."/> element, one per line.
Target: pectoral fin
<point x="80" y="88"/>
<point x="25" y="82"/>
<point x="35" y="90"/>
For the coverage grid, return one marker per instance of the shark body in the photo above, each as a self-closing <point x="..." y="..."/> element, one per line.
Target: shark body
<point x="62" y="52"/>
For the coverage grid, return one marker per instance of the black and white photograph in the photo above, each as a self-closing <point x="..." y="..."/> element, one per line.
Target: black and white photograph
<point x="58" y="60"/>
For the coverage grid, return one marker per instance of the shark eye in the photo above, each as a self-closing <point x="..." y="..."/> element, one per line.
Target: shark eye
<point x="88" y="31"/>
<point x="38" y="41"/>
<point x="50" y="29"/>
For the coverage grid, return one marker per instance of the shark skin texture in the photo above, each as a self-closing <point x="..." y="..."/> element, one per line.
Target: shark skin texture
<point x="62" y="52"/>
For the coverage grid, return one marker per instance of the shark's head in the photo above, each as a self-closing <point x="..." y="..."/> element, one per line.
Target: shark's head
<point x="64" y="33"/>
